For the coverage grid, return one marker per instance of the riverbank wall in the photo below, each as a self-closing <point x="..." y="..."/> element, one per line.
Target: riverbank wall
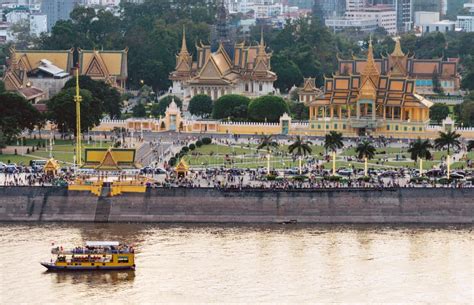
<point x="405" y="205"/>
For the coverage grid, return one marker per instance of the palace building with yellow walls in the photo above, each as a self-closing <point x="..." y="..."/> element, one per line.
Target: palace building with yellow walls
<point x="243" y="70"/>
<point x="370" y="102"/>
<point x="421" y="70"/>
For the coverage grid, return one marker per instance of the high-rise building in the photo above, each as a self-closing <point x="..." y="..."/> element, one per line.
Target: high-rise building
<point x="404" y="9"/>
<point x="57" y="10"/>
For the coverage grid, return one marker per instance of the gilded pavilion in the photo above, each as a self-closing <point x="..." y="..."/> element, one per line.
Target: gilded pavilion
<point x="242" y="70"/>
<point x="422" y="70"/>
<point x="370" y="102"/>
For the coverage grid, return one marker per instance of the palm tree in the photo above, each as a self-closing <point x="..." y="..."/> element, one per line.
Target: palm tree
<point x="470" y="145"/>
<point x="420" y="149"/>
<point x="333" y="142"/>
<point x="365" y="150"/>
<point x="448" y="140"/>
<point x="268" y="143"/>
<point x="300" y="148"/>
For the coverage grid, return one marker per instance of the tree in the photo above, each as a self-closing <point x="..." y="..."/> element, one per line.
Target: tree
<point x="139" y="111"/>
<point x="267" y="142"/>
<point x="106" y="98"/>
<point x="467" y="82"/>
<point x="439" y="112"/>
<point x="2" y="87"/>
<point x="436" y="83"/>
<point x="3" y="141"/>
<point x="200" y="105"/>
<point x="299" y="111"/>
<point x="420" y="149"/>
<point x="448" y="140"/>
<point x="333" y="141"/>
<point x="300" y="147"/>
<point x="365" y="150"/>
<point x="267" y="108"/>
<point x="466" y="113"/>
<point x="16" y="114"/>
<point x="161" y="106"/>
<point x="62" y="111"/>
<point x="231" y="106"/>
<point x="470" y="145"/>
<point x="288" y="73"/>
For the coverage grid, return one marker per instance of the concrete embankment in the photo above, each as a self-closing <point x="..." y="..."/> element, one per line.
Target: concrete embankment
<point x="410" y="205"/>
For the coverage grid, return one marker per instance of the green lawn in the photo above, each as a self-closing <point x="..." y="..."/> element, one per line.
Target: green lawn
<point x="63" y="150"/>
<point x="17" y="159"/>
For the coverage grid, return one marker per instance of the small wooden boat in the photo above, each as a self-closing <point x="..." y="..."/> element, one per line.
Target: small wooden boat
<point x="95" y="255"/>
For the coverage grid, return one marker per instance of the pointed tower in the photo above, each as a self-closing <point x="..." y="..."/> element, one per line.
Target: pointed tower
<point x="183" y="59"/>
<point x="370" y="71"/>
<point x="398" y="61"/>
<point x="262" y="60"/>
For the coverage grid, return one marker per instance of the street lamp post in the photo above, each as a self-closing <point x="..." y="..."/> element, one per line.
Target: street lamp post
<point x="78" y="99"/>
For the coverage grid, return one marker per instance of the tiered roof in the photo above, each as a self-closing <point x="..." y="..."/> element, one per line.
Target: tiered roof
<point x="247" y="62"/>
<point x="370" y="84"/>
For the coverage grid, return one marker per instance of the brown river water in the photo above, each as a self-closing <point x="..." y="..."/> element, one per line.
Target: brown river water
<point x="246" y="264"/>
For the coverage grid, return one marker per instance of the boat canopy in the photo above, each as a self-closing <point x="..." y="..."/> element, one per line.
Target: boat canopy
<point x="102" y="243"/>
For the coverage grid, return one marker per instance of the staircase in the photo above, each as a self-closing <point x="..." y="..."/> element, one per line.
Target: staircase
<point x="102" y="210"/>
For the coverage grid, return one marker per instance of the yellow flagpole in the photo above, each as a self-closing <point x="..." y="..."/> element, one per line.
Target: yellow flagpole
<point x="78" y="99"/>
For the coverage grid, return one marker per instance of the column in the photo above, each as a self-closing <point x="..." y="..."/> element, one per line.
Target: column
<point x="384" y="112"/>
<point x="331" y="111"/>
<point x="339" y="108"/>
<point x="393" y="112"/>
<point x="374" y="110"/>
<point x="358" y="110"/>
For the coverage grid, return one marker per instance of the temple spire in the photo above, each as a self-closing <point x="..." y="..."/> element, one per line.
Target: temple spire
<point x="370" y="68"/>
<point x="184" y="48"/>
<point x="261" y="46"/>
<point x="397" y="51"/>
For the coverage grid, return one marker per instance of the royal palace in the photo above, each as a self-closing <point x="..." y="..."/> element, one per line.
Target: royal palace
<point x="237" y="69"/>
<point x="369" y="101"/>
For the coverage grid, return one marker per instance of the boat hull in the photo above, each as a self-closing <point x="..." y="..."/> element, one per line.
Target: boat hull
<point x="53" y="267"/>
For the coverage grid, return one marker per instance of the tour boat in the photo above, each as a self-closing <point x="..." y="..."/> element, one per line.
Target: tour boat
<point x="95" y="255"/>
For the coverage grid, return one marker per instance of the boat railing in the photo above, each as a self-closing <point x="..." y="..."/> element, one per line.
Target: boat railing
<point x="93" y="251"/>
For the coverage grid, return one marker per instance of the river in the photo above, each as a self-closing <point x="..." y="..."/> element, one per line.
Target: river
<point x="246" y="264"/>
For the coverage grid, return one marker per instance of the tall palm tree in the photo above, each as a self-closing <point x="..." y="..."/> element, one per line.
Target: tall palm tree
<point x="365" y="150"/>
<point x="267" y="142"/>
<point x="470" y="145"/>
<point x="300" y="148"/>
<point x="333" y="142"/>
<point x="420" y="149"/>
<point x="448" y="140"/>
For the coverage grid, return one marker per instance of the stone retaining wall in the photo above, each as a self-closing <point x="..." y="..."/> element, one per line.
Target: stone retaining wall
<point x="414" y="205"/>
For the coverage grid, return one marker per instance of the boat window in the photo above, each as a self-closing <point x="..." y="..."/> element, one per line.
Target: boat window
<point x="123" y="259"/>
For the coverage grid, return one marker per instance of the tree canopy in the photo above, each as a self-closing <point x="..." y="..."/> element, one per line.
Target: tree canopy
<point x="231" y="106"/>
<point x="62" y="110"/>
<point x="200" y="105"/>
<point x="439" y="112"/>
<point x="16" y="114"/>
<point x="267" y="108"/>
<point x="106" y="98"/>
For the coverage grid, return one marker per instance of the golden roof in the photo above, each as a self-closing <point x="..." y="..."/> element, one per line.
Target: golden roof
<point x="370" y="68"/>
<point x="61" y="59"/>
<point x="110" y="62"/>
<point x="397" y="51"/>
<point x="182" y="167"/>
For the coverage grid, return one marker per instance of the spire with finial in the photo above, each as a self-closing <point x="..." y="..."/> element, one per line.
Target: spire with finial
<point x="397" y="51"/>
<point x="184" y="48"/>
<point x="13" y="60"/>
<point x="370" y="68"/>
<point x="261" y="46"/>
